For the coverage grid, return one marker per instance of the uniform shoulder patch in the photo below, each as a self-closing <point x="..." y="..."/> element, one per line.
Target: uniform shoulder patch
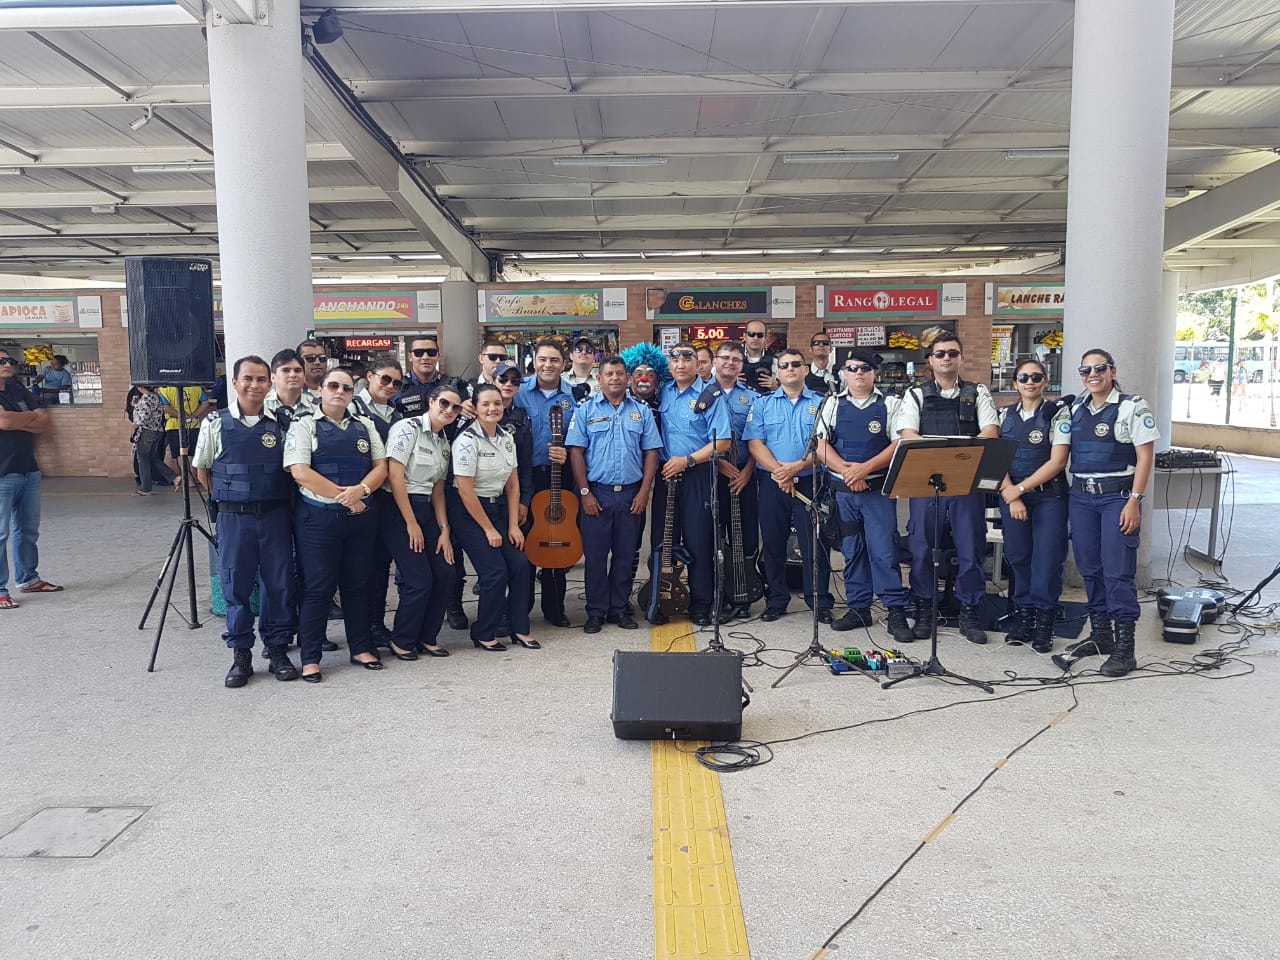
<point x="362" y="445"/>
<point x="1064" y="426"/>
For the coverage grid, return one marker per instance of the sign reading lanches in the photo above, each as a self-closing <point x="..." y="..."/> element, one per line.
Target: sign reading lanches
<point x="745" y="303"/>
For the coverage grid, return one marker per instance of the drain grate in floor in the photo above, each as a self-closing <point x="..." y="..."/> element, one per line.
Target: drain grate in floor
<point x="68" y="831"/>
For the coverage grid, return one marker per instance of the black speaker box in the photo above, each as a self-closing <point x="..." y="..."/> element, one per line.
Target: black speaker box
<point x="682" y="696"/>
<point x="170" y="320"/>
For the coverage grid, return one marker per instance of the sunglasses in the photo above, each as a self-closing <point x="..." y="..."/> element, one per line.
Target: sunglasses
<point x="316" y="357"/>
<point x="426" y="352"/>
<point x="512" y="378"/>
<point x="1096" y="368"/>
<point x="945" y="354"/>
<point x="8" y="362"/>
<point x="337" y="385"/>
<point x="388" y="381"/>
<point x="819" y="343"/>
<point x="495" y="357"/>
<point x="1030" y="378"/>
<point x="584" y="350"/>
<point x="449" y="405"/>
<point x="683" y="355"/>
<point x="790" y="364"/>
<point x="755" y="336"/>
<point x="728" y="357"/>
<point x="859" y="367"/>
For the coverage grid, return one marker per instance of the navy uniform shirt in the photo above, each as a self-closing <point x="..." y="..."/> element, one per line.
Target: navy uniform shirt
<point x="534" y="402"/>
<point x="784" y="425"/>
<point x="615" y="438"/>
<point x="684" y="430"/>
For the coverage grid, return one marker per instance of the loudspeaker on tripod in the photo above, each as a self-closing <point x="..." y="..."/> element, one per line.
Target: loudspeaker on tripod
<point x="170" y="320"/>
<point x="682" y="696"/>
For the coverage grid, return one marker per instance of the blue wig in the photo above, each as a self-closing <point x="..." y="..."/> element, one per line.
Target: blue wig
<point x="647" y="355"/>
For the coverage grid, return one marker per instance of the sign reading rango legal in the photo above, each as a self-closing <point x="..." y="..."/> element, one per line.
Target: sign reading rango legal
<point x="884" y="301"/>
<point x="530" y="304"/>
<point x="1020" y="298"/>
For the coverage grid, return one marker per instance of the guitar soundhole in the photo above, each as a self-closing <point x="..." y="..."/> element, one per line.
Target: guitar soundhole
<point x="555" y="514"/>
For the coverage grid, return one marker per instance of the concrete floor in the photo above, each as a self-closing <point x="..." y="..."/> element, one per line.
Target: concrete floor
<point x="480" y="807"/>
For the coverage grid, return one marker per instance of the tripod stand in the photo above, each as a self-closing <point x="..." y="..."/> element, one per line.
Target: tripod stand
<point x="815" y="649"/>
<point x="182" y="545"/>
<point x="716" y="645"/>
<point x="972" y="463"/>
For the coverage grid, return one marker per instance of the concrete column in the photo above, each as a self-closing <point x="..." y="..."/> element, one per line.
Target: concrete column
<point x="1161" y="395"/>
<point x="259" y="142"/>
<point x="1120" y="79"/>
<point x="460" y="326"/>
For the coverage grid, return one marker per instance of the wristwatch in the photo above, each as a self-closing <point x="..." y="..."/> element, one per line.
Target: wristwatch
<point x="690" y="462"/>
<point x="584" y="492"/>
<point x="1137" y="496"/>
<point x="1021" y="488"/>
<point x="365" y="488"/>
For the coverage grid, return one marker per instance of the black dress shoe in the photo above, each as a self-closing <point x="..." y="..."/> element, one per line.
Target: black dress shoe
<point x="380" y="635"/>
<point x="456" y="617"/>
<point x="335" y="612"/>
<point x="627" y="622"/>
<point x="493" y="646"/>
<point x="312" y="677"/>
<point x="527" y="642"/>
<point x="408" y="655"/>
<point x="367" y="664"/>
<point x="824" y="615"/>
<point x="432" y="651"/>
<point x="593" y="625"/>
<point x="771" y="615"/>
<point x="560" y="620"/>
<point x="700" y="619"/>
<point x="328" y="646"/>
<point x="241" y="668"/>
<point x="741" y="613"/>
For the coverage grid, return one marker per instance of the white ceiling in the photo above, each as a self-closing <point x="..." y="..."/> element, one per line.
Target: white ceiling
<point x="483" y="94"/>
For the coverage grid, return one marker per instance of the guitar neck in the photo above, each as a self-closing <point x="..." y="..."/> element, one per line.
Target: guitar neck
<point x="668" y="523"/>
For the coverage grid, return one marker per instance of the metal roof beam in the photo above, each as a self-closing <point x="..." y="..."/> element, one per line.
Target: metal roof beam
<point x="1234" y="203"/>
<point x="107" y="227"/>
<point x="749" y="221"/>
<point x="525" y="6"/>
<point x="64" y="199"/>
<point x="95" y="18"/>
<point x="385" y="170"/>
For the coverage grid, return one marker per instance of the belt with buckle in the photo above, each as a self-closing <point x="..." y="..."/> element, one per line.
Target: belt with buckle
<point x="1103" y="485"/>
<point x="615" y="487"/>
<point x="256" y="508"/>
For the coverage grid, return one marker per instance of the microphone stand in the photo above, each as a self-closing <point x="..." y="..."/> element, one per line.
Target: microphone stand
<point x="716" y="645"/>
<point x="815" y="649"/>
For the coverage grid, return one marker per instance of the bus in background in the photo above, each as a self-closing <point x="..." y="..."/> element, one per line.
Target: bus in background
<point x="1191" y="361"/>
<point x="1261" y="359"/>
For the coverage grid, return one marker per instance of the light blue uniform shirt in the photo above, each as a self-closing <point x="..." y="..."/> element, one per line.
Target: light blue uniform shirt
<point x="615" y="439"/>
<point x="784" y="425"/>
<point x="684" y="429"/>
<point x="534" y="402"/>
<point x="737" y="400"/>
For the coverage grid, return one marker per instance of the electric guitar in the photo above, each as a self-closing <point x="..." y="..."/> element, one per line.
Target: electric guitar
<point x="667" y="594"/>
<point x="742" y="585"/>
<point x="554" y="542"/>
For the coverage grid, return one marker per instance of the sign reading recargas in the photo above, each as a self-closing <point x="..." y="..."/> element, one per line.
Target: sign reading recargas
<point x="884" y="301"/>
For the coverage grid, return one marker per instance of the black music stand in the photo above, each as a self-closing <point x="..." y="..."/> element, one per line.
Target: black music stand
<point x="951" y="467"/>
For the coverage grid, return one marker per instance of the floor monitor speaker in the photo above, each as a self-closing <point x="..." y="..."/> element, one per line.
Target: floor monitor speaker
<point x="681" y="696"/>
<point x="170" y="320"/>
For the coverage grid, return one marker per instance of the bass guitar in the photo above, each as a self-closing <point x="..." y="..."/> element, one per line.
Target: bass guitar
<point x="554" y="542"/>
<point x="666" y="592"/>
<point x="742" y="584"/>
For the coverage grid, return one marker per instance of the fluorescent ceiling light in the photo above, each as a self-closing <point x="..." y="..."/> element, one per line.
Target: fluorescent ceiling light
<point x="609" y="160"/>
<point x="103" y="208"/>
<point x="1050" y="153"/>
<point x="836" y="156"/>
<point x="856" y="250"/>
<point x="11" y="171"/>
<point x="173" y="168"/>
<point x="794" y="251"/>
<point x="1177" y="193"/>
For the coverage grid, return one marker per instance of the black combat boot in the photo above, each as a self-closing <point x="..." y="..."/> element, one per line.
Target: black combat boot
<point x="281" y="666"/>
<point x="1042" y="630"/>
<point x="456" y="616"/>
<point x="899" y="629"/>
<point x="970" y="625"/>
<point x="241" y="668"/>
<point x="853" y="619"/>
<point x="1121" y="660"/>
<point x="1098" y="642"/>
<point x="923" y="628"/>
<point x="1020" y="625"/>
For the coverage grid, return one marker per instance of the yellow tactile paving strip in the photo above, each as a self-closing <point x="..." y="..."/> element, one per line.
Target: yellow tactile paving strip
<point x="696" y="909"/>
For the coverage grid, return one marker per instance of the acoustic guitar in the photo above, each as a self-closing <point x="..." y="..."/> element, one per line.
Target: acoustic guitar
<point x="742" y="584"/>
<point x="667" y="594"/>
<point x="554" y="542"/>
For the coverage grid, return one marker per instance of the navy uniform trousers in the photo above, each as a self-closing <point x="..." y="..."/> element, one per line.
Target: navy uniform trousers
<point x="1036" y="549"/>
<point x="968" y="518"/>
<point x="380" y="570"/>
<point x="426" y="578"/>
<point x="1106" y="558"/>
<point x="693" y="516"/>
<point x="778" y="512"/>
<point x="335" y="550"/>
<point x="253" y="546"/>
<point x="609" y="546"/>
<point x="554" y="582"/>
<point x="502" y="572"/>
<point x="870" y="557"/>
